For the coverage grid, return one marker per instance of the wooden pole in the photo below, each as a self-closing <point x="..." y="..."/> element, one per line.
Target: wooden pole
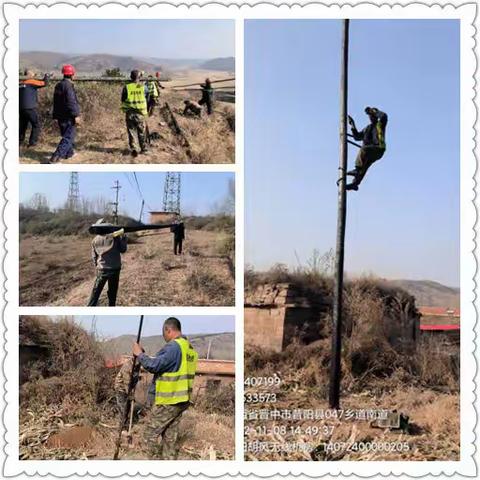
<point x="335" y="365"/>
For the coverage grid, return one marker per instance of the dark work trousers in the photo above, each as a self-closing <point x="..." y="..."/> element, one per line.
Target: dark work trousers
<point x="67" y="131"/>
<point x="29" y="116"/>
<point x="177" y="246"/>
<point x="104" y="276"/>
<point x="365" y="158"/>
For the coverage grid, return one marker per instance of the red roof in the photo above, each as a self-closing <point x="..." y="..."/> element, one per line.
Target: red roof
<point x="439" y="327"/>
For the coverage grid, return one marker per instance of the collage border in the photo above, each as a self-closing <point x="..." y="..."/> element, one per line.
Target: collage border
<point x="239" y="12"/>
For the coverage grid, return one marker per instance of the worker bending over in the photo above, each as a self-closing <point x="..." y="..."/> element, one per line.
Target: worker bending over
<point x="134" y="104"/>
<point x="66" y="110"/>
<point x="173" y="369"/>
<point x="28" y="105"/>
<point x="373" y="147"/>
<point x="192" y="109"/>
<point x="106" y="256"/>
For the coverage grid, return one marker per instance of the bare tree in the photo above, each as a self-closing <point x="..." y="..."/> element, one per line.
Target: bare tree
<point x="39" y="202"/>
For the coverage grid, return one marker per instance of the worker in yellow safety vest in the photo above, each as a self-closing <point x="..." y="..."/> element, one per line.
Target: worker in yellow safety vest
<point x="134" y="104"/>
<point x="153" y="94"/>
<point x="173" y="369"/>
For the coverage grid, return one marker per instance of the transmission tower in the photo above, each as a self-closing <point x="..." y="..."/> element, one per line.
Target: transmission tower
<point x="73" y="198"/>
<point x="116" y="187"/>
<point x="171" y="192"/>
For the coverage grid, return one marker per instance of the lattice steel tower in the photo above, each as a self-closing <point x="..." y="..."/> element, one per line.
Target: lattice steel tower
<point x="73" y="199"/>
<point x="171" y="192"/>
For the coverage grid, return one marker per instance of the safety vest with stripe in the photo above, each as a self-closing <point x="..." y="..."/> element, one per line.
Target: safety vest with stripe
<point x="176" y="387"/>
<point x="135" y="98"/>
<point x="380" y="135"/>
<point x="152" y="89"/>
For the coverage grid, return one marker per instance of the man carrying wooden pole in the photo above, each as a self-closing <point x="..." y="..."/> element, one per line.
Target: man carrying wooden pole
<point x="335" y="368"/>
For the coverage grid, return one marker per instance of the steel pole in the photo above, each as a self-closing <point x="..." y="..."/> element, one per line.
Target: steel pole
<point x="335" y="365"/>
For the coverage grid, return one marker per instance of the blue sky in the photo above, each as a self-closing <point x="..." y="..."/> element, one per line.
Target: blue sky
<point x="159" y="38"/>
<point x="201" y="191"/>
<point x="108" y="326"/>
<point x="404" y="222"/>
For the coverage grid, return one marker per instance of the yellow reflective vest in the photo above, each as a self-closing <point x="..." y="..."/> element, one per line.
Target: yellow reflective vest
<point x="176" y="387"/>
<point x="135" y="98"/>
<point x="152" y="89"/>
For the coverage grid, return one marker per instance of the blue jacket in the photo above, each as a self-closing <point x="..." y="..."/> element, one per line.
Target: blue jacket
<point x="65" y="103"/>
<point x="28" y="92"/>
<point x="168" y="359"/>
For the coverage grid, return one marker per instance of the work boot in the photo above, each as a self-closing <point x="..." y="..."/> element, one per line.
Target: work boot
<point x="144" y="151"/>
<point x="53" y="159"/>
<point x="134" y="153"/>
<point x="352" y="172"/>
<point x="351" y="186"/>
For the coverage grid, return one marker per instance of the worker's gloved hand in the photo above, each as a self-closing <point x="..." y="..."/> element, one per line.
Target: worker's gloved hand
<point x="351" y="121"/>
<point x="137" y="349"/>
<point x="78" y="120"/>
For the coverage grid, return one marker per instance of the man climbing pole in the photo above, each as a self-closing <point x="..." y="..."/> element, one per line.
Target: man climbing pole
<point x="134" y="104"/>
<point x="173" y="369"/>
<point x="106" y="256"/>
<point x="373" y="148"/>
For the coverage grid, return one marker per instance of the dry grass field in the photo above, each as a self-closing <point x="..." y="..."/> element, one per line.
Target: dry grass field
<point x="380" y="372"/>
<point x="57" y="270"/>
<point x="102" y="135"/>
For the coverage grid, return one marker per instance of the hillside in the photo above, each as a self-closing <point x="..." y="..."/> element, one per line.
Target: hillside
<point x="430" y="293"/>
<point x="222" y="345"/>
<point x="226" y="64"/>
<point x="98" y="62"/>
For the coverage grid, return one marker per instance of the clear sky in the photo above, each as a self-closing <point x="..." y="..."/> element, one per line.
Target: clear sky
<point x="159" y="38"/>
<point x="404" y="222"/>
<point x="201" y="191"/>
<point x="109" y="326"/>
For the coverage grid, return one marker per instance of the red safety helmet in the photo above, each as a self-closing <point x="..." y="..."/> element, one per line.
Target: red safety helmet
<point x="68" y="70"/>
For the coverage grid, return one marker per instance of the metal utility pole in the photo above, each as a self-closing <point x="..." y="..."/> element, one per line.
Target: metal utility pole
<point x="335" y="366"/>
<point x="73" y="193"/>
<point x="141" y="211"/>
<point x="171" y="193"/>
<point x="116" y="187"/>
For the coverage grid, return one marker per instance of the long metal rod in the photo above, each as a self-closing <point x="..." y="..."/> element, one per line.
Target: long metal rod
<point x="130" y="396"/>
<point x="335" y="362"/>
<point x="201" y="83"/>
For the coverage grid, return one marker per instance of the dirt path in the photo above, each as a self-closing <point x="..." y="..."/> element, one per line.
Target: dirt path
<point x="57" y="271"/>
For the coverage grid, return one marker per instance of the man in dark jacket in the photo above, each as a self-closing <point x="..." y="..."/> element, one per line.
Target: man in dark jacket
<point x="207" y="96"/>
<point x="106" y="256"/>
<point x="66" y="110"/>
<point x="373" y="148"/>
<point x="28" y="103"/>
<point x="178" y="237"/>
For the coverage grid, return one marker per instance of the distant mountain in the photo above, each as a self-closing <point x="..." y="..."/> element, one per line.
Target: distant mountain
<point x="98" y="63"/>
<point x="85" y="64"/>
<point x="429" y="293"/>
<point x="222" y="345"/>
<point x="226" y="64"/>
